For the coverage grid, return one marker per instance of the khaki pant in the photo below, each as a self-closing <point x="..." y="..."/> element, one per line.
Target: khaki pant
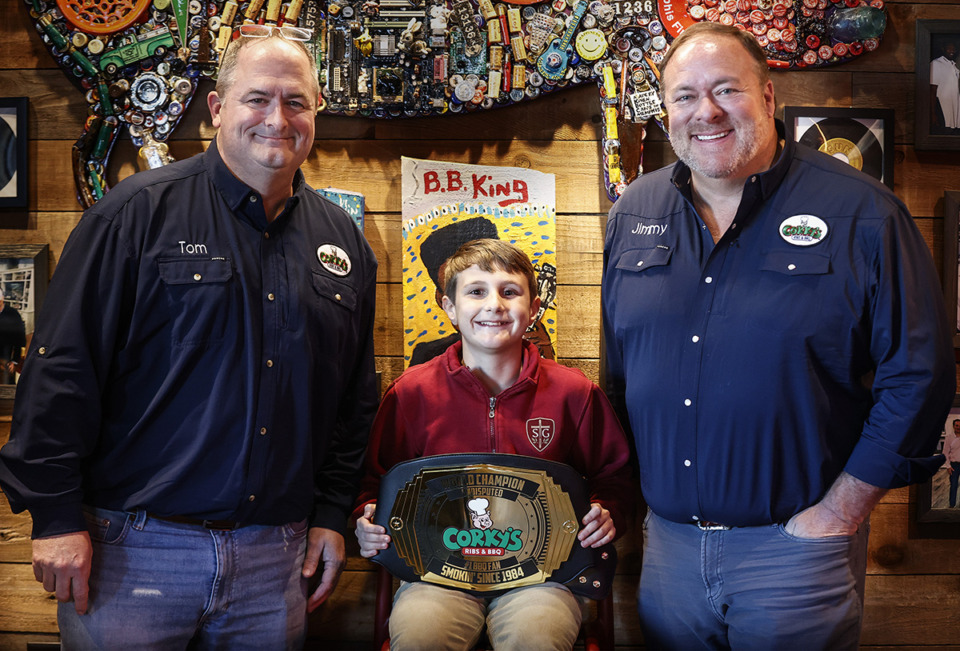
<point x="427" y="616"/>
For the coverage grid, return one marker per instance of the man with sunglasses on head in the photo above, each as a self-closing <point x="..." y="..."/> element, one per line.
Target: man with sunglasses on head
<point x="196" y="400"/>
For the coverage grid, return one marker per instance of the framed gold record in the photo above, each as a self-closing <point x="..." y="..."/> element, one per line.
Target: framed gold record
<point x="862" y="138"/>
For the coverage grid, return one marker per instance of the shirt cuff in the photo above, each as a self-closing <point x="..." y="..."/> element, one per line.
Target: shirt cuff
<point x="329" y="517"/>
<point x="883" y="468"/>
<point x="57" y="520"/>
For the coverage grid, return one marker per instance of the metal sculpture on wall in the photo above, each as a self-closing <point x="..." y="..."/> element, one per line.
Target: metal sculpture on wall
<point x="139" y="61"/>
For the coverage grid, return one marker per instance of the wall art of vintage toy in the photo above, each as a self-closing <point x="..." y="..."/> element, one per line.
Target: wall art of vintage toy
<point x="448" y="204"/>
<point x="138" y="61"/>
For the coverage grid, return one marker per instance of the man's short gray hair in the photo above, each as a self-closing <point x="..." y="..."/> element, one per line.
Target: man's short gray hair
<point x="228" y="62"/>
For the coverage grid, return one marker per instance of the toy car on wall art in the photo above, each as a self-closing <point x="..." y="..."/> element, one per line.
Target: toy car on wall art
<point x="139" y="61"/>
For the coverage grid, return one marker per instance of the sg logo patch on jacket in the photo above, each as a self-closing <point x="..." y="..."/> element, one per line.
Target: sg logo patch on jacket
<point x="540" y="432"/>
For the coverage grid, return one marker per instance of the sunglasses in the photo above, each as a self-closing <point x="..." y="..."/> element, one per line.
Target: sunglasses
<point x="288" y="32"/>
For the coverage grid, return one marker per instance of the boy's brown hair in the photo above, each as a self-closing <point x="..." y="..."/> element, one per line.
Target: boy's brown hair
<point x="490" y="255"/>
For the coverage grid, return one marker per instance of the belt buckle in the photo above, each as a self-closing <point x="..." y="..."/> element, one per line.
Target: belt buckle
<point x="704" y="525"/>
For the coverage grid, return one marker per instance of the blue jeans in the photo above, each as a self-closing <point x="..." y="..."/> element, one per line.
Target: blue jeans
<point x="749" y="588"/>
<point x="161" y="585"/>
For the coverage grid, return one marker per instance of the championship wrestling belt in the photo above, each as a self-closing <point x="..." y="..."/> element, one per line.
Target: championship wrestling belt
<point x="488" y="523"/>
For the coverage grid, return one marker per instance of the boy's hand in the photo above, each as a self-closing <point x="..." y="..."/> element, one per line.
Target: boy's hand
<point x="598" y="528"/>
<point x="372" y="537"/>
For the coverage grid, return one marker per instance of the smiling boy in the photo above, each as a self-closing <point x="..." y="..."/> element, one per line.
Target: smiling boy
<point x="479" y="396"/>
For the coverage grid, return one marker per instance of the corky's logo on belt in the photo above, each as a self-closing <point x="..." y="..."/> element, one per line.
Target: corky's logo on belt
<point x="482" y="539"/>
<point x="483" y="527"/>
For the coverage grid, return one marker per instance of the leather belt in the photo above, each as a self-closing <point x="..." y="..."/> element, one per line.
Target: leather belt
<point x="487" y="523"/>
<point x="706" y="525"/>
<point x="212" y="525"/>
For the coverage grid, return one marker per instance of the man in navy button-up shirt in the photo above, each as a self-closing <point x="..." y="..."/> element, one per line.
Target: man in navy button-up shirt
<point x="778" y="346"/>
<point x="202" y="374"/>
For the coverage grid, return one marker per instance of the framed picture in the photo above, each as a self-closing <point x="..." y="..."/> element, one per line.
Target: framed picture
<point x="862" y="138"/>
<point x="951" y="260"/>
<point x="938" y="499"/>
<point x="23" y="284"/>
<point x="13" y="152"/>
<point x="937" y="116"/>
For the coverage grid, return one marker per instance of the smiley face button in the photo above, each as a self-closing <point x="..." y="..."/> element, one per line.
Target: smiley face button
<point x="591" y="44"/>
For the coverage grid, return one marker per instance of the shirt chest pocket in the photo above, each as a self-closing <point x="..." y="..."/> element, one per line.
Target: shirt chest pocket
<point x="796" y="263"/>
<point x="202" y="299"/>
<point x="334" y="307"/>
<point x="642" y="259"/>
<point x="787" y="292"/>
<point x="642" y="277"/>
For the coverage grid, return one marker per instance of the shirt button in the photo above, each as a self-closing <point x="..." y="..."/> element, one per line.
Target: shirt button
<point x="42" y="350"/>
<point x="694" y="517"/>
<point x="263" y="431"/>
<point x="251" y="498"/>
<point x="253" y="199"/>
<point x="688" y="402"/>
<point x="266" y="236"/>
<point x="686" y="462"/>
<point x="338" y="297"/>
<point x="640" y="264"/>
<point x="270" y="297"/>
<point x="197" y="277"/>
<point x="269" y="363"/>
<point x="708" y="279"/>
<point x="791" y="267"/>
<point x="695" y="339"/>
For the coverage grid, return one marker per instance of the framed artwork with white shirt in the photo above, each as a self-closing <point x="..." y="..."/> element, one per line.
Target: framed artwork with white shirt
<point x="939" y="499"/>
<point x="937" y="115"/>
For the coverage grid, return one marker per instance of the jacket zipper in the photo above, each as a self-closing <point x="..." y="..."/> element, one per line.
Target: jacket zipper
<point x="493" y="439"/>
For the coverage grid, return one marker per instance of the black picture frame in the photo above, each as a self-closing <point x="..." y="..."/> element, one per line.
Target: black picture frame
<point x="951" y="260"/>
<point x="933" y="496"/>
<point x="870" y="131"/>
<point x="13" y="152"/>
<point x="24" y="273"/>
<point x="930" y="35"/>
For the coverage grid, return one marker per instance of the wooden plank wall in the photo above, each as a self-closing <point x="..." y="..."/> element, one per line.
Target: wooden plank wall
<point x="913" y="586"/>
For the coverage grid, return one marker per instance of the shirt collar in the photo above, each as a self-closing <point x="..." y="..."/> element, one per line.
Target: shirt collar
<point x="769" y="180"/>
<point x="235" y="192"/>
<point x="452" y="358"/>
